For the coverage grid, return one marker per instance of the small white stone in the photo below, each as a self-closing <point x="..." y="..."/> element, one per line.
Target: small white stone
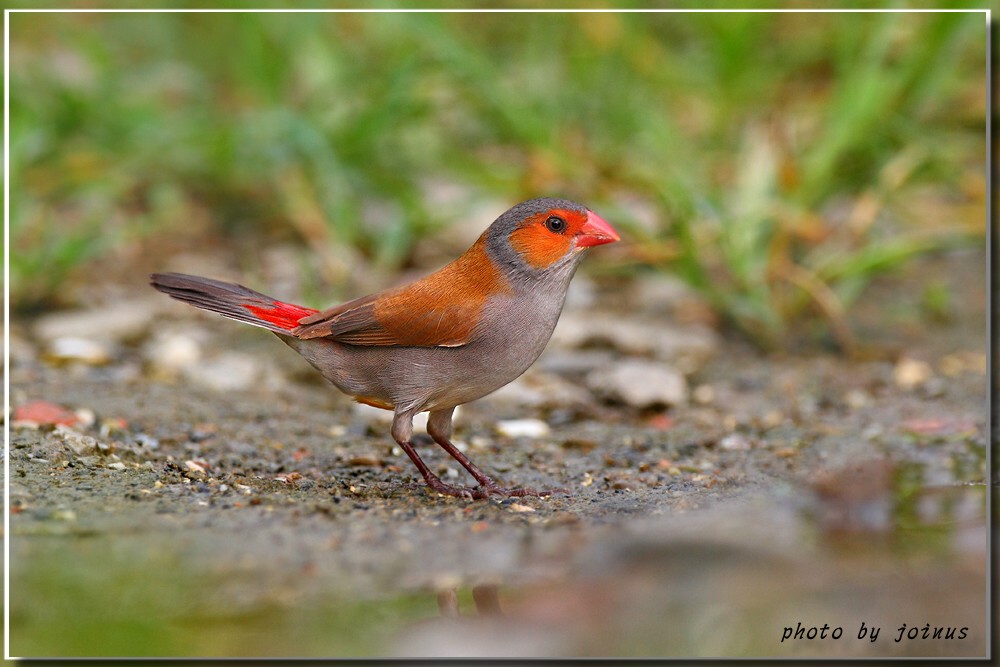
<point x="703" y="394"/>
<point x="83" y="350"/>
<point x="81" y="445"/>
<point x="174" y="351"/>
<point x="479" y="442"/>
<point x="117" y="465"/>
<point x="734" y="442"/>
<point x="857" y="398"/>
<point x="227" y="372"/>
<point x="111" y="322"/>
<point x="86" y="417"/>
<point x="911" y="373"/>
<point x="523" y="428"/>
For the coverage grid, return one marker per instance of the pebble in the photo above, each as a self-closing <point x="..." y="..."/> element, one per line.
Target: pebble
<point x="117" y="465"/>
<point x="518" y="507"/>
<point x="857" y="399"/>
<point x="365" y="460"/>
<point x="911" y="373"/>
<point x="173" y="351"/>
<point x="951" y="364"/>
<point x="639" y="384"/>
<point x="479" y="442"/>
<point x="539" y="390"/>
<point x="146" y="441"/>
<point x="573" y="362"/>
<point x="703" y="394"/>
<point x="734" y="442"/>
<point x="117" y="321"/>
<point x="81" y="445"/>
<point x="935" y="387"/>
<point x="36" y="413"/>
<point x="687" y="348"/>
<point x="523" y="428"/>
<point x="228" y="372"/>
<point x="86" y="417"/>
<point x="68" y="349"/>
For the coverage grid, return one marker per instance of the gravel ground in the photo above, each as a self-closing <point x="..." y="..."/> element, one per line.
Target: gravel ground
<point x="210" y="498"/>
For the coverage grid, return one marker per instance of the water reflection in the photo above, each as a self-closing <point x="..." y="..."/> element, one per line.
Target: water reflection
<point x="889" y="552"/>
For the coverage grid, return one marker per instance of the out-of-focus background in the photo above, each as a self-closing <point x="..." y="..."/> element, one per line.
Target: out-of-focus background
<point x="776" y="162"/>
<point x="768" y="401"/>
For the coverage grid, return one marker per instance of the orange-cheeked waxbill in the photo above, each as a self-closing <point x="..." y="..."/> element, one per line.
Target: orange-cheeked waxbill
<point x="449" y="338"/>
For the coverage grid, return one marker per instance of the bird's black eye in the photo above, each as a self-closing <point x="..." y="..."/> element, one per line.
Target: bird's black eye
<point x="555" y="224"/>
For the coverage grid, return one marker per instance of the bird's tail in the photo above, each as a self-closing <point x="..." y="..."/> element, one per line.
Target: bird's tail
<point x="230" y="300"/>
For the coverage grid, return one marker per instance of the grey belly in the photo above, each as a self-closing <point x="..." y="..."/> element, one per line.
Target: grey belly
<point x="432" y="378"/>
<point x="414" y="378"/>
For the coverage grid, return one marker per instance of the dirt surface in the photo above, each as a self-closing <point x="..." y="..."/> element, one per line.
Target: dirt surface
<point x="791" y="491"/>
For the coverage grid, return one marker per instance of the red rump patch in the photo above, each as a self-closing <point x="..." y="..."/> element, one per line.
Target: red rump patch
<point x="285" y="315"/>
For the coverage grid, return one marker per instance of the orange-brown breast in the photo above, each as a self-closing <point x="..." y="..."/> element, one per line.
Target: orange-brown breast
<point x="439" y="310"/>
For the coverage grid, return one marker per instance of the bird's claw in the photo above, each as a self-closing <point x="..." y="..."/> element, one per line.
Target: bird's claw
<point x="438" y="486"/>
<point x="484" y="492"/>
<point x="527" y="491"/>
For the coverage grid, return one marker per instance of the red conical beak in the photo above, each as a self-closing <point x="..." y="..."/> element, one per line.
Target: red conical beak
<point x="595" y="232"/>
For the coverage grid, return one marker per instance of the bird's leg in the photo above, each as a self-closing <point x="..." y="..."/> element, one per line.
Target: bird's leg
<point x="439" y="428"/>
<point x="402" y="429"/>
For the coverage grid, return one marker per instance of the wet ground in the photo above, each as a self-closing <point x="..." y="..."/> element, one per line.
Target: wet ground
<point x="256" y="512"/>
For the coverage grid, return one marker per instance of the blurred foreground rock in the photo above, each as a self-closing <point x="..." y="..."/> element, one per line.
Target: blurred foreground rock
<point x="112" y="321"/>
<point x="640" y="384"/>
<point x="687" y="348"/>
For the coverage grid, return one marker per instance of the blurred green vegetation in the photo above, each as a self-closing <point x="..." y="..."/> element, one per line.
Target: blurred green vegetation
<point x="777" y="162"/>
<point x="111" y="597"/>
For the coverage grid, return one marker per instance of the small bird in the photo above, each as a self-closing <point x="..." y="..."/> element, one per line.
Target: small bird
<point x="451" y="337"/>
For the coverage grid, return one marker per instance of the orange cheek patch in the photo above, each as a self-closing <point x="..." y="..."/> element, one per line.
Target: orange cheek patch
<point x="539" y="247"/>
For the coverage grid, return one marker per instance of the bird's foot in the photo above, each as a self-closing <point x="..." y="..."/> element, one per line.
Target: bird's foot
<point x="437" y="486"/>
<point x="487" y="485"/>
<point x="491" y="487"/>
